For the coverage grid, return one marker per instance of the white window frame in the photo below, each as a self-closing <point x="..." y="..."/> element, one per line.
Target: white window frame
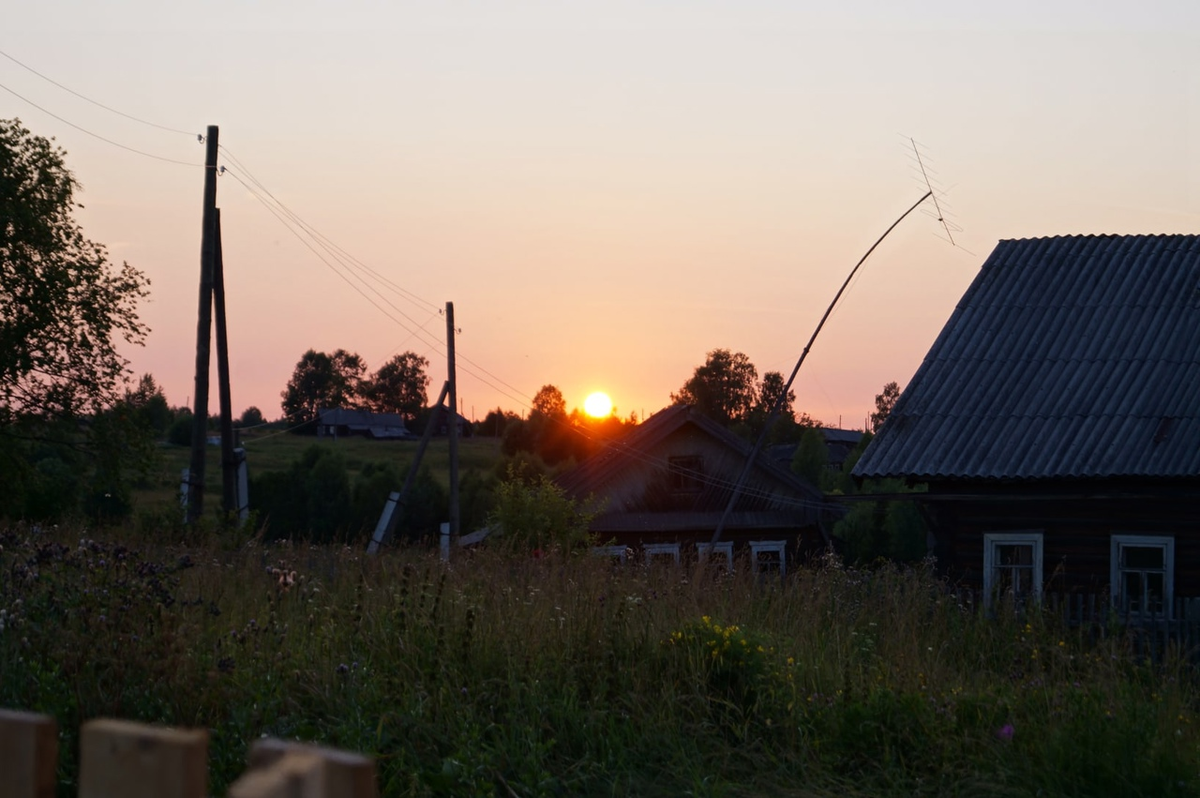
<point x="619" y="553"/>
<point x="1167" y="544"/>
<point x="710" y="551"/>
<point x="766" y="547"/>
<point x="991" y="541"/>
<point x="651" y="550"/>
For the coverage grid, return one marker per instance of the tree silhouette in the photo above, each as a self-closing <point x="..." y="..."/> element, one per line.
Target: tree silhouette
<point x="725" y="388"/>
<point x="62" y="306"/>
<point x="322" y="381"/>
<point x="398" y="386"/>
<point x="884" y="402"/>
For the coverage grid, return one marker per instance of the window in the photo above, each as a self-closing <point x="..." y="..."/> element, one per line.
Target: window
<point x="661" y="553"/>
<point x="1143" y="574"/>
<point x="687" y="473"/>
<point x="768" y="557"/>
<point x="618" y="554"/>
<point x="1012" y="567"/>
<point x="719" y="554"/>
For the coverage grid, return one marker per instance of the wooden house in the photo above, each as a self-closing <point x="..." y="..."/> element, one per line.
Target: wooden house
<point x="363" y="423"/>
<point x="839" y="443"/>
<point x="663" y="488"/>
<point x="439" y="418"/>
<point x="1056" y="421"/>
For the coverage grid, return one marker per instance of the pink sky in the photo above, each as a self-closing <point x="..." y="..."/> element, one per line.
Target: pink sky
<point x="605" y="191"/>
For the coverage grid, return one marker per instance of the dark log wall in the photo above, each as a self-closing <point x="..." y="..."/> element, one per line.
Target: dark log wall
<point x="1077" y="521"/>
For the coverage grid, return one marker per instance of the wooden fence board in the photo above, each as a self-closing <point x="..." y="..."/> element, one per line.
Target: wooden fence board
<point x="296" y="774"/>
<point x="122" y="759"/>
<point x="350" y="775"/>
<point x="28" y="755"/>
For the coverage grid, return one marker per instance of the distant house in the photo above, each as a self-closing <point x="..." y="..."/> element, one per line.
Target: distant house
<point x="663" y="488"/>
<point x="838" y="443"/>
<point x="377" y="426"/>
<point x="1056" y="420"/>
<point x="439" y="418"/>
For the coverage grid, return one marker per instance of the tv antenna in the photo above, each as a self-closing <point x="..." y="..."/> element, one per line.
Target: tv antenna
<point x="936" y="193"/>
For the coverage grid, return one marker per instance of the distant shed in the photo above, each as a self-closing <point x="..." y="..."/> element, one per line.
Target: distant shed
<point x="377" y="426"/>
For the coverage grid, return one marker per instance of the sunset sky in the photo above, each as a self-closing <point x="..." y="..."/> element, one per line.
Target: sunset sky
<point x="605" y="191"/>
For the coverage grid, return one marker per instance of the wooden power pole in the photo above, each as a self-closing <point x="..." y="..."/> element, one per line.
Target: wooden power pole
<point x="229" y="464"/>
<point x="195" y="502"/>
<point x="452" y="429"/>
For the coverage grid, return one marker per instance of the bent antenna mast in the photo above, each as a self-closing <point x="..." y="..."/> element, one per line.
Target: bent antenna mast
<point x="779" y="400"/>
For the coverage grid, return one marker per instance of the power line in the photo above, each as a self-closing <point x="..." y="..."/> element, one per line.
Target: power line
<point x="97" y="135"/>
<point x="328" y="245"/>
<point x="93" y="102"/>
<point x="335" y="270"/>
<point x="296" y="225"/>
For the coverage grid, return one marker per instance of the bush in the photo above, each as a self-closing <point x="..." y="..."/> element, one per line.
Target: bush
<point x="180" y="432"/>
<point x="309" y="501"/>
<point x="537" y="515"/>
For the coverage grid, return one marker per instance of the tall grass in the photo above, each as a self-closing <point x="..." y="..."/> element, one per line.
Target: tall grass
<point x="504" y="674"/>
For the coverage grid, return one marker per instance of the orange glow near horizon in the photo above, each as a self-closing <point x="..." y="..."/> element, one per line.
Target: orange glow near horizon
<point x="598" y="405"/>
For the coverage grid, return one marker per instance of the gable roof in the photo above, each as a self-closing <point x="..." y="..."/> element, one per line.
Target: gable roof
<point x="1067" y="357"/>
<point x="640" y="444"/>
<point x="359" y="419"/>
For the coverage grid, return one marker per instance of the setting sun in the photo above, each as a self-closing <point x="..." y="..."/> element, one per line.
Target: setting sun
<point x="598" y="405"/>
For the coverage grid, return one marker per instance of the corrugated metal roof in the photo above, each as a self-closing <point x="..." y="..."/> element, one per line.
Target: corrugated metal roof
<point x="1068" y="357"/>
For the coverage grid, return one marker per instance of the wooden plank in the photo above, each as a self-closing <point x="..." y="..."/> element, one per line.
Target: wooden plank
<point x="28" y="754"/>
<point x="350" y="775"/>
<point x="122" y="759"/>
<point x="296" y="774"/>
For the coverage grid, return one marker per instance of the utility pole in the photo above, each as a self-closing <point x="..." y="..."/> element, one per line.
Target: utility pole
<point x="228" y="459"/>
<point x="195" y="506"/>
<point x="452" y="410"/>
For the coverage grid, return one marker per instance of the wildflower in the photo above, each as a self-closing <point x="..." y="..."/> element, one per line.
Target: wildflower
<point x="1006" y="732"/>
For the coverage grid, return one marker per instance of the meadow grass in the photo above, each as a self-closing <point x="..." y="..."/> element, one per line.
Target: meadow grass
<point x="505" y="674"/>
<point x="274" y="451"/>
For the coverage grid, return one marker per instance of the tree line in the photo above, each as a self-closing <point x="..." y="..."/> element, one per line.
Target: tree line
<point x="323" y="381"/>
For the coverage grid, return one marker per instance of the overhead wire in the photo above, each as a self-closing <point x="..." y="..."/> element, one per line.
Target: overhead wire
<point x="327" y="243"/>
<point x="300" y="229"/>
<point x="348" y="261"/>
<point x="333" y="268"/>
<point x="98" y="136"/>
<point x="94" y="102"/>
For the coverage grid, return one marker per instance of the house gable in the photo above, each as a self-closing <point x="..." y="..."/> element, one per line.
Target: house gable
<point x="1061" y="404"/>
<point x="673" y="475"/>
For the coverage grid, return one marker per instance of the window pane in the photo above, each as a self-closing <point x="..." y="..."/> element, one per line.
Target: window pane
<point x="1131" y="589"/>
<point x="1015" y="580"/>
<point x="1015" y="554"/>
<point x="686" y="473"/>
<point x="1142" y="557"/>
<point x="1154" y="591"/>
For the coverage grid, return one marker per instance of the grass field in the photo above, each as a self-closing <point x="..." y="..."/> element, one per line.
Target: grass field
<point x="501" y="674"/>
<point x="276" y="452"/>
